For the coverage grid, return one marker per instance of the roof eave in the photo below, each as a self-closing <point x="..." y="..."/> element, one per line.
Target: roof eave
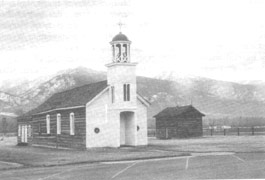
<point x="57" y="109"/>
<point x="143" y="100"/>
<point x="97" y="96"/>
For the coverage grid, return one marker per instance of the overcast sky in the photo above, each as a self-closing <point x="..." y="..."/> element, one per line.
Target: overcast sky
<point x="219" y="39"/>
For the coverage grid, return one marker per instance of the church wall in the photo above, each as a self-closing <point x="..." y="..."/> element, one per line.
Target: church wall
<point x="40" y="137"/>
<point x="121" y="73"/>
<point x="122" y="131"/>
<point x="103" y="123"/>
<point x="142" y="123"/>
<point x="118" y="75"/>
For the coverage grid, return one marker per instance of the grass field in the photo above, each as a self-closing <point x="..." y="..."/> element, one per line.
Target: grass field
<point x="213" y="144"/>
<point x="37" y="156"/>
<point x="41" y="156"/>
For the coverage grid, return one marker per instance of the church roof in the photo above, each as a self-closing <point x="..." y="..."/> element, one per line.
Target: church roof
<point x="178" y="111"/>
<point x="78" y="96"/>
<point x="120" y="37"/>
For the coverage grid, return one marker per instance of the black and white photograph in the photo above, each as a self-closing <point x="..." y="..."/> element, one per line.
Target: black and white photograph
<point x="132" y="89"/>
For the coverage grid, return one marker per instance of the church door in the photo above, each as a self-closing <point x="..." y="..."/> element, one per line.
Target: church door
<point x="127" y="128"/>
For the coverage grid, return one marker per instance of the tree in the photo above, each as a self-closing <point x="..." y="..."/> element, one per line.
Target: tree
<point x="4" y="127"/>
<point x="212" y="123"/>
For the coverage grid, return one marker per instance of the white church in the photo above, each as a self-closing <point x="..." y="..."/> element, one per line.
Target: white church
<point x="104" y="114"/>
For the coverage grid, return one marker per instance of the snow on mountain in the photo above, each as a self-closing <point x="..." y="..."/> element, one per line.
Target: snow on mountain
<point x="8" y="98"/>
<point x="212" y="97"/>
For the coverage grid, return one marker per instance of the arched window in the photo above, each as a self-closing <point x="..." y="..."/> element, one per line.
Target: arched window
<point x="48" y="124"/>
<point x="124" y="54"/>
<point x="113" y="53"/>
<point x="112" y="94"/>
<point x="126" y="92"/>
<point x="58" y="123"/>
<point x="39" y="128"/>
<point x="19" y="130"/>
<point x="29" y="131"/>
<point x="72" y="124"/>
<point x="118" y="53"/>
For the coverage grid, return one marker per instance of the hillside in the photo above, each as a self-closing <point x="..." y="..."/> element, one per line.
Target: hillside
<point x="217" y="99"/>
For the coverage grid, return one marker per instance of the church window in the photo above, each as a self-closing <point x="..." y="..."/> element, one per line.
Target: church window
<point x="29" y="130"/>
<point x="39" y="128"/>
<point x="112" y="94"/>
<point x="118" y="54"/>
<point x="113" y="53"/>
<point x="19" y="130"/>
<point x="126" y="92"/>
<point x="124" y="54"/>
<point x="48" y="124"/>
<point x="72" y="124"/>
<point x="96" y="130"/>
<point x="58" y="123"/>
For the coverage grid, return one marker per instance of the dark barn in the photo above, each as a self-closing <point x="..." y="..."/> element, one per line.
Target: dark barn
<point x="179" y="122"/>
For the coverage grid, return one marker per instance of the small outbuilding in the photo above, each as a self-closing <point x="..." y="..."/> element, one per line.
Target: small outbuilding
<point x="179" y="122"/>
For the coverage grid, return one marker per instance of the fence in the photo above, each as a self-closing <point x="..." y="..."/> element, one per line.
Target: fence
<point x="236" y="131"/>
<point x="233" y="131"/>
<point x="9" y="134"/>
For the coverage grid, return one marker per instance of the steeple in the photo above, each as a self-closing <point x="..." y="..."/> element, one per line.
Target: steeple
<point x="121" y="73"/>
<point x="120" y="24"/>
<point x="120" y="48"/>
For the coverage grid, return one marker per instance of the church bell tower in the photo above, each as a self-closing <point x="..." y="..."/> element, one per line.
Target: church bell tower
<point x="121" y="74"/>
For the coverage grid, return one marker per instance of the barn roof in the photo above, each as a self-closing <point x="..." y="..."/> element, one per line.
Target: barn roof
<point x="78" y="96"/>
<point x="178" y="111"/>
<point x="24" y="118"/>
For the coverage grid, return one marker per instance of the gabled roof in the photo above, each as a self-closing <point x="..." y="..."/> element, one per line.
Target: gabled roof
<point x="78" y="96"/>
<point x="73" y="98"/>
<point x="178" y="111"/>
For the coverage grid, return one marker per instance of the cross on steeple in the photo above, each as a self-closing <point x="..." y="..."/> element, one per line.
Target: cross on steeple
<point x="120" y="24"/>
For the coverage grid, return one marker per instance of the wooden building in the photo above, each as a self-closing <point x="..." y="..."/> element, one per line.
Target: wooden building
<point x="104" y="114"/>
<point x="24" y="130"/>
<point x="179" y="122"/>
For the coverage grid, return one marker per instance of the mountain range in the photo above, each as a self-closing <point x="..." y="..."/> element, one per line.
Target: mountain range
<point x="214" y="98"/>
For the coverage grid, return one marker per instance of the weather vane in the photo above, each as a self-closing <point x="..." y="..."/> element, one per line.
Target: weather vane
<point x="120" y="24"/>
